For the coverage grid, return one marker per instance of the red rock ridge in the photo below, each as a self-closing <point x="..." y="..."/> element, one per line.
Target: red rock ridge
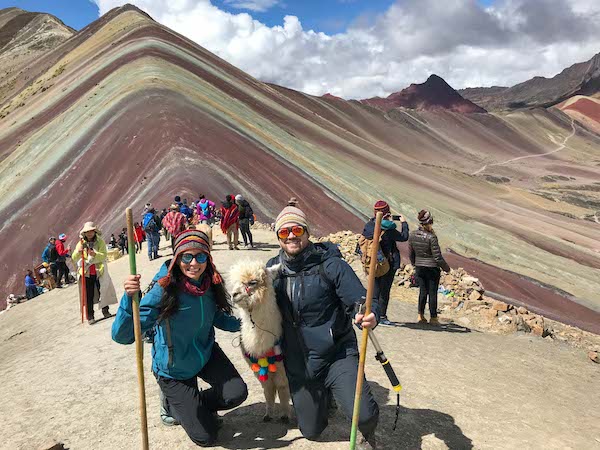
<point x="433" y="95"/>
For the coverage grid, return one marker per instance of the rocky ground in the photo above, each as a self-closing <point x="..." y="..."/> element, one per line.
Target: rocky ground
<point x="463" y="388"/>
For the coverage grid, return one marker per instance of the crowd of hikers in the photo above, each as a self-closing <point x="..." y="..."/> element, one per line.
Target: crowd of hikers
<point x="318" y="294"/>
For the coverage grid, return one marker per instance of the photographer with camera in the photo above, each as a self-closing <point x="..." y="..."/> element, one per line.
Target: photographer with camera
<point x="389" y="251"/>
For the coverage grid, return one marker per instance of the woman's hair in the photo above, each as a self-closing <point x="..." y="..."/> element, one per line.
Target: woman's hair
<point x="30" y="273"/>
<point x="94" y="239"/>
<point x="169" y="303"/>
<point x="428" y="227"/>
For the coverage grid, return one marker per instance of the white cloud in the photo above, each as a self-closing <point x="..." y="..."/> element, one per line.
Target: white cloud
<point x="252" y="5"/>
<point x="463" y="42"/>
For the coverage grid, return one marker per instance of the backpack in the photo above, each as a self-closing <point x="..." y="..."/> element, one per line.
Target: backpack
<point x="52" y="254"/>
<point x="205" y="208"/>
<point x="382" y="265"/>
<point x="149" y="223"/>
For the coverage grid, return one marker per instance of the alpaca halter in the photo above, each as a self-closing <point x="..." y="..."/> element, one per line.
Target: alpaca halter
<point x="265" y="363"/>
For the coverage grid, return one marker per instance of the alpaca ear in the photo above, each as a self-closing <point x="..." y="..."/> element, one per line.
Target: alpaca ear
<point x="274" y="271"/>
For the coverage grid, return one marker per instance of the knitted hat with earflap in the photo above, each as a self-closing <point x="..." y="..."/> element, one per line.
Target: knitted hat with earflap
<point x="291" y="215"/>
<point x="382" y="206"/>
<point x="425" y="217"/>
<point x="189" y="240"/>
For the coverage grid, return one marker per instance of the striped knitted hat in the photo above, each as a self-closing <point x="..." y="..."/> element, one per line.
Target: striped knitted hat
<point x="291" y="215"/>
<point x="188" y="240"/>
<point x="382" y="206"/>
<point x="425" y="217"/>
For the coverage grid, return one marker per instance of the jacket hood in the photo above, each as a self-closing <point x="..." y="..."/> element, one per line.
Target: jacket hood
<point x="311" y="256"/>
<point x="227" y="205"/>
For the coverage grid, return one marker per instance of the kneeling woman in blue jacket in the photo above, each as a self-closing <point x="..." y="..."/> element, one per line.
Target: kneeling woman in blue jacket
<point x="184" y="305"/>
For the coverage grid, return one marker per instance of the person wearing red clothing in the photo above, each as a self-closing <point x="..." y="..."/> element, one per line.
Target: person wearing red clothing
<point x="174" y="222"/>
<point x="230" y="217"/>
<point x="61" y="260"/>
<point x="138" y="235"/>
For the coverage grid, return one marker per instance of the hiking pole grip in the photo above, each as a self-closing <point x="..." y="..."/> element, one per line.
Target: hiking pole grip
<point x="137" y="331"/>
<point x="365" y="332"/>
<point x="387" y="365"/>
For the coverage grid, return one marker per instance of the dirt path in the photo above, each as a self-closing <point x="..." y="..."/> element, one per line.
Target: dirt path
<point x="560" y="147"/>
<point x="67" y="382"/>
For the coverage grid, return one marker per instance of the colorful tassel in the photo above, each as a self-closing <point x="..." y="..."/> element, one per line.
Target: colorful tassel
<point x="255" y="367"/>
<point x="272" y="368"/>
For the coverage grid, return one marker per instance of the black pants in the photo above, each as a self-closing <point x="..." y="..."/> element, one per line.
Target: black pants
<point x="91" y="283"/>
<point x="63" y="271"/>
<point x="246" y="233"/>
<point x="123" y="249"/>
<point x="311" y="398"/>
<point x="194" y="409"/>
<point x="383" y="286"/>
<point x="429" y="281"/>
<point x="54" y="271"/>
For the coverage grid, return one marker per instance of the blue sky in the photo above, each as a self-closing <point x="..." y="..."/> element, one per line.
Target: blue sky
<point x="328" y="16"/>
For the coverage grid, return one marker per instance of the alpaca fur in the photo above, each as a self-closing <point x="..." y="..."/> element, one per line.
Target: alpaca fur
<point x="254" y="297"/>
<point x="208" y="230"/>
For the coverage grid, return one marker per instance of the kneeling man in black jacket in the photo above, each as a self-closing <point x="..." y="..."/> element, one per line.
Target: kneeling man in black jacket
<point x="317" y="292"/>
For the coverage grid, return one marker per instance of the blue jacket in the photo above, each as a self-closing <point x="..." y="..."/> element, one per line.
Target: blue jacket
<point x="192" y="330"/>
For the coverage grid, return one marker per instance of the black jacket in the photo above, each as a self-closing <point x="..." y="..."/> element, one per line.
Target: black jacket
<point x="316" y="294"/>
<point x="245" y="210"/>
<point x="388" y="241"/>
<point x="425" y="250"/>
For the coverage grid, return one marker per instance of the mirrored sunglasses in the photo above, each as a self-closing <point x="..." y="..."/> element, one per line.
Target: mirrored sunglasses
<point x="200" y="258"/>
<point x="296" y="230"/>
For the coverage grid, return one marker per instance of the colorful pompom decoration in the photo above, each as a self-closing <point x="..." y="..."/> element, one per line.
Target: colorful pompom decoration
<point x="265" y="364"/>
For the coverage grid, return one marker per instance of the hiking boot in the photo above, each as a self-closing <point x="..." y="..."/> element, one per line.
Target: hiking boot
<point x="421" y="319"/>
<point x="92" y="321"/>
<point x="236" y="248"/>
<point x="230" y="247"/>
<point x="168" y="421"/>
<point x="364" y="443"/>
<point x="106" y="313"/>
<point x="434" y="321"/>
<point x="386" y="321"/>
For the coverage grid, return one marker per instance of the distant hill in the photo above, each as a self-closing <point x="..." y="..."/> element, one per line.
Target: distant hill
<point x="540" y="92"/>
<point x="25" y="37"/>
<point x="433" y="95"/>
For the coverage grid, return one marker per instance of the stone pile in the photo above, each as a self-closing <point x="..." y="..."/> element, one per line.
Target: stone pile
<point x="346" y="242"/>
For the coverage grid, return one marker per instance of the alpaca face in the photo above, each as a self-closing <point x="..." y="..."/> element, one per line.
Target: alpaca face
<point x="250" y="282"/>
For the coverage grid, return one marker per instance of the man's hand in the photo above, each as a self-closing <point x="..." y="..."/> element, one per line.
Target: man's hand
<point x="132" y="284"/>
<point x="366" y="322"/>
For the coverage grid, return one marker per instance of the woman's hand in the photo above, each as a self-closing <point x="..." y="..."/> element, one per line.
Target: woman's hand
<point x="132" y="285"/>
<point x="369" y="321"/>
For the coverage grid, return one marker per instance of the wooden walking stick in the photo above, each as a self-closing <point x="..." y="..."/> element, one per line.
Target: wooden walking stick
<point x="365" y="331"/>
<point x="83" y="288"/>
<point x="137" y="330"/>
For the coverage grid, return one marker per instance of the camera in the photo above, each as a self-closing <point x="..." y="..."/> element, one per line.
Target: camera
<point x="398" y="217"/>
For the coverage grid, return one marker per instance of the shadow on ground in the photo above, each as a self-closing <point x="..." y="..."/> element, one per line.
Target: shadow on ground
<point x="442" y="327"/>
<point x="412" y="426"/>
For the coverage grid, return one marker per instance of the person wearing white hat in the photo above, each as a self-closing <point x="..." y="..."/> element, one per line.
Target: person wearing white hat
<point x="61" y="260"/>
<point x="98" y="285"/>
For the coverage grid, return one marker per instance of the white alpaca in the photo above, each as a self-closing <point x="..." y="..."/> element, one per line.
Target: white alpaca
<point x="254" y="296"/>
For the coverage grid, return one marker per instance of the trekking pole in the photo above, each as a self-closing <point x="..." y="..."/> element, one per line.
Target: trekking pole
<point x="83" y="288"/>
<point x="365" y="331"/>
<point x="137" y="330"/>
<point x="389" y="371"/>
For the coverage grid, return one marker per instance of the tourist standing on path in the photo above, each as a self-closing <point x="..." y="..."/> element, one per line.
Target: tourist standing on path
<point x="152" y="226"/>
<point x="246" y="219"/>
<point x="230" y="216"/>
<point x="389" y="237"/>
<point x="187" y="300"/>
<point x="317" y="292"/>
<point x="205" y="210"/>
<point x="98" y="285"/>
<point x="50" y="257"/>
<point x="61" y="260"/>
<point x="174" y="222"/>
<point x="123" y="241"/>
<point x="31" y="289"/>
<point x="426" y="256"/>
<point x="138" y="235"/>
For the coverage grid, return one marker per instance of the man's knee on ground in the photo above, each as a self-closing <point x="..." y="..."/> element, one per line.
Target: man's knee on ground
<point x="312" y="433"/>
<point x="203" y="439"/>
<point x="235" y="392"/>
